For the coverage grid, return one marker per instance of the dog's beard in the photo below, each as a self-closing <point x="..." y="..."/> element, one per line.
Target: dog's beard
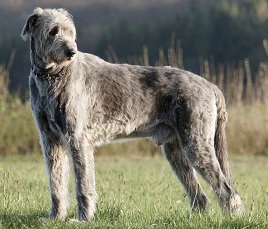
<point x="61" y="59"/>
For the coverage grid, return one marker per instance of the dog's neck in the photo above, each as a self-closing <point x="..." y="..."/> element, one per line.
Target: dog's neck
<point x="45" y="74"/>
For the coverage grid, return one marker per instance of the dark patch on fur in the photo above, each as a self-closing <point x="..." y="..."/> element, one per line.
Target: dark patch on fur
<point x="84" y="202"/>
<point x="183" y="119"/>
<point x="168" y="75"/>
<point x="60" y="118"/>
<point x="227" y="188"/>
<point x="45" y="126"/>
<point x="43" y="122"/>
<point x="164" y="104"/>
<point x="34" y="90"/>
<point x="149" y="78"/>
<point x="55" y="206"/>
<point x="60" y="111"/>
<point x="113" y="98"/>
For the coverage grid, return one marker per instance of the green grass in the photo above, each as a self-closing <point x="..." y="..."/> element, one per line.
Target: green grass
<point x="134" y="192"/>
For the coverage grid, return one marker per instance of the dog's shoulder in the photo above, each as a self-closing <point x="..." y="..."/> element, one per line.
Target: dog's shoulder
<point x="90" y="60"/>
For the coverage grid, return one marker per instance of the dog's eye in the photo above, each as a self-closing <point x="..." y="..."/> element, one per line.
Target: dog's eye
<point x="54" y="31"/>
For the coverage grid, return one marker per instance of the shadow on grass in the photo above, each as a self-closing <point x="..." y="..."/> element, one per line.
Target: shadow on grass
<point x="38" y="220"/>
<point x="112" y="218"/>
<point x="32" y="220"/>
<point x="20" y="220"/>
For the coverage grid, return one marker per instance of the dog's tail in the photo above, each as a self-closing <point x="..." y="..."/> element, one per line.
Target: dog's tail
<point x="220" y="141"/>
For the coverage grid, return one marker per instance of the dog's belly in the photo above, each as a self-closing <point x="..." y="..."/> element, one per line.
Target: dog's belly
<point x="111" y="133"/>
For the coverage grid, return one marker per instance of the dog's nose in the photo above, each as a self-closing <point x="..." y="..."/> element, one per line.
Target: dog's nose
<point x="70" y="52"/>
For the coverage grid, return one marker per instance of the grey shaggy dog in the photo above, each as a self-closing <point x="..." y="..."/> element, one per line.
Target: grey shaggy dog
<point x="79" y="101"/>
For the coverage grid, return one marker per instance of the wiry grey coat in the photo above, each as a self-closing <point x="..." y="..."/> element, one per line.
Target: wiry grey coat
<point x="79" y="101"/>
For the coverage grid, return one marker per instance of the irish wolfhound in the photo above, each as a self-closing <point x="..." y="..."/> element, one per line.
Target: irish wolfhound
<point x="79" y="101"/>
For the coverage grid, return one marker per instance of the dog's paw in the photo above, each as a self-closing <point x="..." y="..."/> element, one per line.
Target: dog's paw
<point x="44" y="218"/>
<point x="76" y="221"/>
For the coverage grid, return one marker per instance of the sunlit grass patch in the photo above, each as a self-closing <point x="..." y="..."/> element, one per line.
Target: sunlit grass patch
<point x="134" y="192"/>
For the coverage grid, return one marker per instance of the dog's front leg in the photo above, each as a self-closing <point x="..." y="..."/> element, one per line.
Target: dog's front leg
<point x="57" y="165"/>
<point x="83" y="160"/>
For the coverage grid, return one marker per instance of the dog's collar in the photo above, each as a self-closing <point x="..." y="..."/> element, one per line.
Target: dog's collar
<point x="50" y="75"/>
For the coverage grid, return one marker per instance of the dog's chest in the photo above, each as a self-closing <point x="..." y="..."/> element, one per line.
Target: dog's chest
<point x="49" y="104"/>
<point x="55" y="113"/>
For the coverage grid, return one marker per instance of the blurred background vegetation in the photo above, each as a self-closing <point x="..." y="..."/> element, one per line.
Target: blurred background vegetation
<point x="224" y="41"/>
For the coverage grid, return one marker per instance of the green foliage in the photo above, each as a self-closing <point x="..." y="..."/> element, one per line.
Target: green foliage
<point x="228" y="33"/>
<point x="134" y="192"/>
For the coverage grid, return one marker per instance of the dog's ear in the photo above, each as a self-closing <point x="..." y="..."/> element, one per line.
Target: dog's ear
<point x="29" y="25"/>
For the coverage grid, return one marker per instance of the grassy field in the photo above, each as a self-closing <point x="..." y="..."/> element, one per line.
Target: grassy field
<point x="134" y="192"/>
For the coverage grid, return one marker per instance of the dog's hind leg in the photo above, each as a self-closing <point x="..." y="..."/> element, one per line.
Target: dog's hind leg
<point x="197" y="134"/>
<point x="202" y="157"/>
<point x="83" y="160"/>
<point x="186" y="175"/>
<point x="57" y="164"/>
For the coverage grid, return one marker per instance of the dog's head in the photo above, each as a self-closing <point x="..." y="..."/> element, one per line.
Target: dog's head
<point x="54" y="35"/>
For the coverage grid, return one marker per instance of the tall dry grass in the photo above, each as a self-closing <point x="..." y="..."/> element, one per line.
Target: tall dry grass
<point x="18" y="134"/>
<point x="246" y="98"/>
